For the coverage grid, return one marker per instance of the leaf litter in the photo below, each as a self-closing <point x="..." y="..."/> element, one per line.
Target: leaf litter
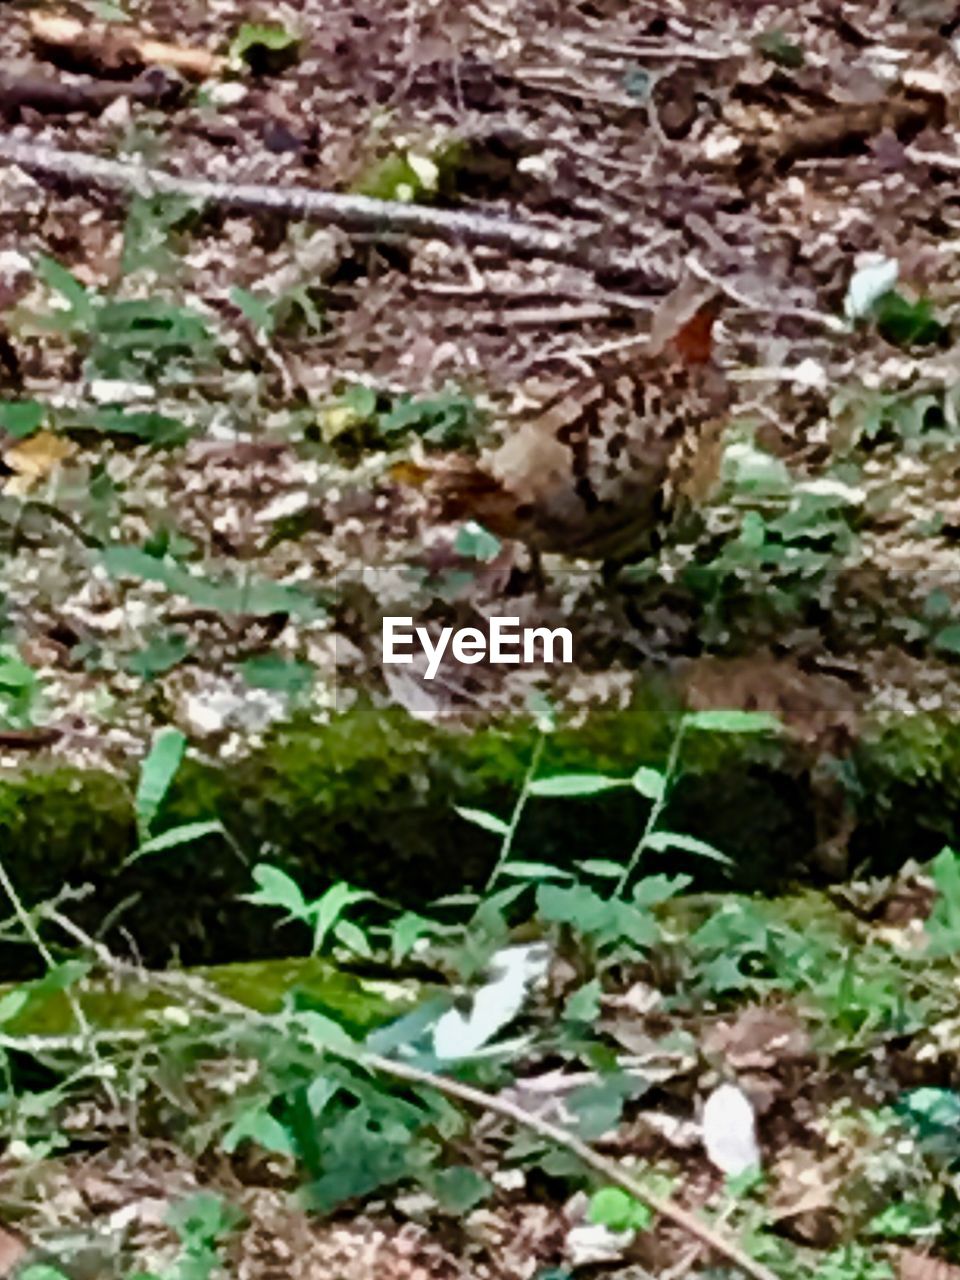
<point x="782" y="153"/>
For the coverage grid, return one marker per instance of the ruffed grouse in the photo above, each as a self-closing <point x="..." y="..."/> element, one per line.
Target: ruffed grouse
<point x="590" y="471"/>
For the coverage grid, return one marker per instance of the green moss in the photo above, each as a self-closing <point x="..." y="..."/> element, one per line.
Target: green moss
<point x="370" y="798"/>
<point x="360" y="1004"/>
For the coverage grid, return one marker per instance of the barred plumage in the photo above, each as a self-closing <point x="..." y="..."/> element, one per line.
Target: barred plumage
<point x="591" y="472"/>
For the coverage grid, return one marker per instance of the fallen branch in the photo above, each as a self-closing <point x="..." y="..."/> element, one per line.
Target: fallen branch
<point x="349" y="212"/>
<point x="194" y="985"/>
<point x="55" y="97"/>
<point x="607" y="1168"/>
<point x="115" y="50"/>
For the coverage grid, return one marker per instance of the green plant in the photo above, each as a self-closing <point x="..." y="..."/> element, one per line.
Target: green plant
<point x="906" y="322"/>
<point x="613" y="1208"/>
<point x="132" y="338"/>
<point x="252" y="597"/>
<point x="157" y="772"/>
<point x="943" y="924"/>
<point x="324" y="915"/>
<point x="266" y="50"/>
<point x="853" y="1262"/>
<point x="654" y="785"/>
<point x="20" y="690"/>
<point x="292" y="310"/>
<point x="149" y="228"/>
<point x="363" y="416"/>
<point x="201" y="1222"/>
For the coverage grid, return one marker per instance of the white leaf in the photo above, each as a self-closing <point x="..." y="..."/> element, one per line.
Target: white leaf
<point x="730" y="1131"/>
<point x="592" y="1244"/>
<point x="828" y="487"/>
<point x="867" y="284"/>
<point x="425" y="169"/>
<point x="810" y="373"/>
<point x="458" y="1035"/>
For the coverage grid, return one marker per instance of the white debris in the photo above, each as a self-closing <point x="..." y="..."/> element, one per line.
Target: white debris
<point x="730" y="1131"/>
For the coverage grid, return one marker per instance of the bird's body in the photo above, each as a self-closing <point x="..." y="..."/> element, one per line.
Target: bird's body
<point x="588" y="471"/>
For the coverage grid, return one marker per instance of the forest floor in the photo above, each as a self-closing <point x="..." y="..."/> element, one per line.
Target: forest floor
<point x="201" y="410"/>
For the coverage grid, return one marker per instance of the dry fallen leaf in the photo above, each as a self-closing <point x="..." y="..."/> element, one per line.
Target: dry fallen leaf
<point x="758" y="1037"/>
<point x="33" y="460"/>
<point x="912" y="1265"/>
<point x="806" y="1197"/>
<point x="12" y="1251"/>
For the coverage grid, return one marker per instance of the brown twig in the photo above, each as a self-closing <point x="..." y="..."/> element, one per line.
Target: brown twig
<point x="112" y="50"/>
<point x="55" y="97"/>
<point x="608" y="1169"/>
<point x="29" y="739"/>
<point x="352" y="213"/>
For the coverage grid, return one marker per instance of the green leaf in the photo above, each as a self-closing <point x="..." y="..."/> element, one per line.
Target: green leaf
<point x="138" y="337"/>
<point x="157" y="773"/>
<point x="82" y="307"/>
<point x="258" y="1126"/>
<point x="15" y="675"/>
<point x="609" y="921"/>
<point x="154" y="428"/>
<point x="732" y="722"/>
<point x="948" y="639"/>
<point x="359" y="1155"/>
<point x="328" y="908"/>
<point x="282" y="675"/>
<point x="906" y="324"/>
<point x="779" y="48"/>
<point x="277" y="889"/>
<point x="613" y="1208"/>
<point x="663" y="840"/>
<point x="460" y="1189"/>
<point x="21" y="417"/>
<point x="353" y="938"/>
<point x="584" y="1004"/>
<point x="487" y="821"/>
<point x="201" y="1218"/>
<point x="173" y="837"/>
<point x="253" y="598"/>
<point x="362" y="400"/>
<point x="447" y="419"/>
<point x="146" y="231"/>
<point x="323" y="1032"/>
<point x="599" y="1107"/>
<point x="943" y="925"/>
<point x="650" y="783"/>
<point x="534" y="871"/>
<point x="476" y="543"/>
<point x="575" y="784"/>
<point x="37" y="991"/>
<point x="160" y="656"/>
<point x="601" y="868"/>
<point x="652" y="890"/>
<point x="256" y="308"/>
<point x="264" y="48"/>
<point x="12" y="1003"/>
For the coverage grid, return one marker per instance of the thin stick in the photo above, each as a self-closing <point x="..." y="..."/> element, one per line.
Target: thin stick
<point x="608" y="1169"/>
<point x="350" y="212"/>
<point x="833" y="324"/>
